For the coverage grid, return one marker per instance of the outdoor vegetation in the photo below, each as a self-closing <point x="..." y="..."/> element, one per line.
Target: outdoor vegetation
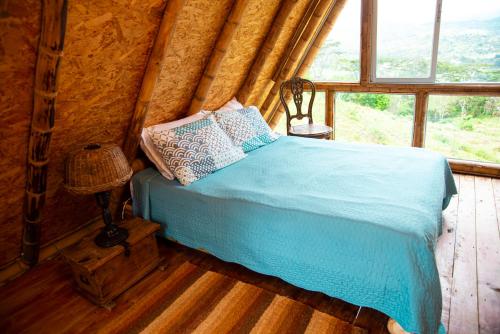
<point x="463" y="127"/>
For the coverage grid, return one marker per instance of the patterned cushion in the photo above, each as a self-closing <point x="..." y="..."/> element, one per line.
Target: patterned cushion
<point x="195" y="150"/>
<point x="246" y="128"/>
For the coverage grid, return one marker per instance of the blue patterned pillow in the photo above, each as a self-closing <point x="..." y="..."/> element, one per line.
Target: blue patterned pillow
<point x="246" y="128"/>
<point x="195" y="150"/>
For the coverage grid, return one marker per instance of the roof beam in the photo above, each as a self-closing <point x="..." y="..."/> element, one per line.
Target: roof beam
<point x="312" y="52"/>
<point x="50" y="51"/>
<point x="151" y="76"/>
<point x="290" y="63"/>
<point x="320" y="39"/>
<point x="218" y="53"/>
<point x="272" y="37"/>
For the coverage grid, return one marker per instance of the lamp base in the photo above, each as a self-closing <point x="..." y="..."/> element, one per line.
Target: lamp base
<point x="110" y="236"/>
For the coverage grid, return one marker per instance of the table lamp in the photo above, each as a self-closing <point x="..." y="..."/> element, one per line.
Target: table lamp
<point x="97" y="169"/>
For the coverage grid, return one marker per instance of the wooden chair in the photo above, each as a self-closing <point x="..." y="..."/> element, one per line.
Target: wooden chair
<point x="310" y="130"/>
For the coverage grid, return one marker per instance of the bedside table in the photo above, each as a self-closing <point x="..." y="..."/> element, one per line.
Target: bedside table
<point x="104" y="273"/>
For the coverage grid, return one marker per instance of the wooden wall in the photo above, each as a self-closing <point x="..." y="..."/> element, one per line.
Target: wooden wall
<point x="105" y="55"/>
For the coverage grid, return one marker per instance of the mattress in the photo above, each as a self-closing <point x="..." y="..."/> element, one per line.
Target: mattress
<point x="357" y="222"/>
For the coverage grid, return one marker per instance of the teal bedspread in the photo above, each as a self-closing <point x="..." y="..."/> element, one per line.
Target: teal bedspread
<point x="357" y="222"/>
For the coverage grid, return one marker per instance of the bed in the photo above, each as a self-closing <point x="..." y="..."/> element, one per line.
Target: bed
<point x="357" y="222"/>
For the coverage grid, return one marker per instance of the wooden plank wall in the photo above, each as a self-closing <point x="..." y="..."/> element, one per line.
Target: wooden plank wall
<point x="107" y="47"/>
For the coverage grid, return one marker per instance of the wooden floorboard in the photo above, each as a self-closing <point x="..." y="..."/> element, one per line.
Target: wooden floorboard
<point x="463" y="308"/>
<point x="488" y="258"/>
<point x="445" y="253"/>
<point x="467" y="256"/>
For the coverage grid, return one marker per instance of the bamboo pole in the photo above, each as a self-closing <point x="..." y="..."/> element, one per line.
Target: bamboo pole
<point x="330" y="110"/>
<point x="296" y="55"/>
<point x="366" y="40"/>
<point x="322" y="36"/>
<point x="419" y="119"/>
<point x="50" y="52"/>
<point x="151" y="75"/>
<point x="218" y="53"/>
<point x="313" y="50"/>
<point x="299" y="31"/>
<point x="435" y="89"/>
<point x="279" y="21"/>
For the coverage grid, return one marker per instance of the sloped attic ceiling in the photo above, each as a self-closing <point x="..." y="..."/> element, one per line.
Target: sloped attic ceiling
<point x="106" y="51"/>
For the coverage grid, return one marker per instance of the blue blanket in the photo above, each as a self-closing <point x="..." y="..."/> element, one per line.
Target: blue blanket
<point x="357" y="222"/>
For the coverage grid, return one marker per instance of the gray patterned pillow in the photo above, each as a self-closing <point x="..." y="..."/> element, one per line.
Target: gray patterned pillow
<point x="246" y="128"/>
<point x="195" y="150"/>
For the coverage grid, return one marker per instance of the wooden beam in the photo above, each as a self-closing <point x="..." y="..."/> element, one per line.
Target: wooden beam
<point x="321" y="37"/>
<point x="295" y="39"/>
<point x="421" y="101"/>
<point x="475" y="168"/>
<point x="218" y="53"/>
<point x="438" y="89"/>
<point x="151" y="75"/>
<point x="366" y="40"/>
<point x="313" y="50"/>
<point x="289" y="66"/>
<point x="50" y="51"/>
<point x="330" y="110"/>
<point x="272" y="37"/>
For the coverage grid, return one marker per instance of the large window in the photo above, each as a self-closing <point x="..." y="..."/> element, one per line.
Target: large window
<point x="404" y="46"/>
<point x="429" y="41"/>
<point x="469" y="42"/>
<point x="338" y="59"/>
<point x="464" y="127"/>
<point x="424" y="73"/>
<point x="374" y="118"/>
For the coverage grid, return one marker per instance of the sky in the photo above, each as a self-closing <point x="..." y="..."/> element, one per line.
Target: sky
<point x="421" y="11"/>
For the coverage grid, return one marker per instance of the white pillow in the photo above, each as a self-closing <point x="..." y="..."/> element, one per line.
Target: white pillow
<point x="231" y="105"/>
<point x="150" y="149"/>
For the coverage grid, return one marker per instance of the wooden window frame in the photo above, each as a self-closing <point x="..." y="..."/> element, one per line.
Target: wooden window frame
<point x="435" y="46"/>
<point x="422" y="91"/>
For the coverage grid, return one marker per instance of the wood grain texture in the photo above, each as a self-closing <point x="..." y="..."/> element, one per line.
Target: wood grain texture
<point x="20" y="27"/>
<point x="419" y="120"/>
<point x="241" y="51"/>
<point x="266" y="48"/>
<point x="463" y="308"/>
<point x="263" y="81"/>
<point x="199" y="24"/>
<point x="49" y="57"/>
<point x="150" y="79"/>
<point x="445" y="253"/>
<point x="34" y="301"/>
<point x="289" y="66"/>
<point x="107" y="46"/>
<point x="488" y="257"/>
<point x="217" y="55"/>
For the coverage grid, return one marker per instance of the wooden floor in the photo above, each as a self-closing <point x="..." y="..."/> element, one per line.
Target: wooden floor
<point x="468" y="254"/>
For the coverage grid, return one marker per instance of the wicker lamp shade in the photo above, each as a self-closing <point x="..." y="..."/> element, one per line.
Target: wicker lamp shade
<point x="96" y="168"/>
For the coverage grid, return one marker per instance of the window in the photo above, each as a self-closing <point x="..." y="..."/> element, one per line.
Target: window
<point x="430" y="41"/>
<point x="374" y="118"/>
<point x="464" y="127"/>
<point x="338" y="59"/>
<point x="405" y="40"/>
<point x="469" y="41"/>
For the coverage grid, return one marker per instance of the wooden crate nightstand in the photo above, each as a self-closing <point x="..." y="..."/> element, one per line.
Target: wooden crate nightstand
<point x="104" y="273"/>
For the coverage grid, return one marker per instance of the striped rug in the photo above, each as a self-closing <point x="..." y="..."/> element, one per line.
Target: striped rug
<point x="193" y="300"/>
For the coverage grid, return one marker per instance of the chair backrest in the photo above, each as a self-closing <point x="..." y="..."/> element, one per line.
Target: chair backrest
<point x="296" y="86"/>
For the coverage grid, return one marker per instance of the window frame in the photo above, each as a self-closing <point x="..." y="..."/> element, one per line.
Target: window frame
<point x="435" y="46"/>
